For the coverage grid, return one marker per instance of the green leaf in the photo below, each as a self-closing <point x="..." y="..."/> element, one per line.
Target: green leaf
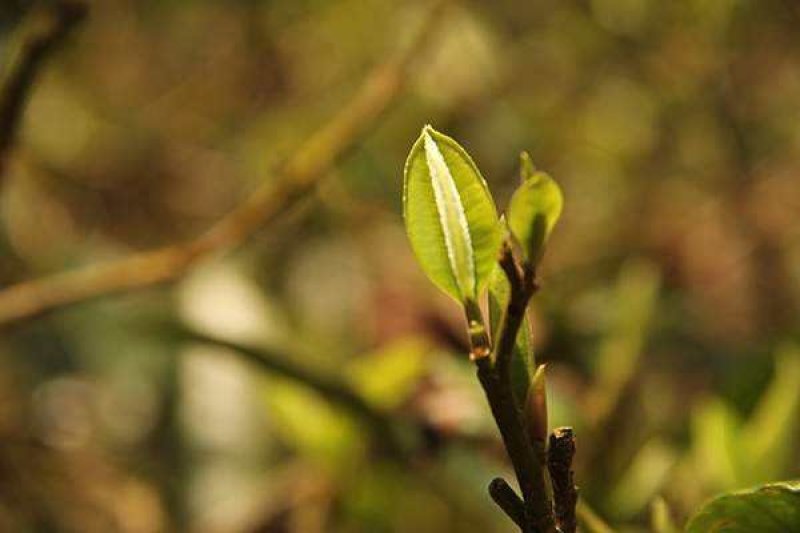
<point x="523" y="364"/>
<point x="534" y="210"/>
<point x="773" y="508"/>
<point x="387" y="377"/>
<point x="450" y="216"/>
<point x="309" y="423"/>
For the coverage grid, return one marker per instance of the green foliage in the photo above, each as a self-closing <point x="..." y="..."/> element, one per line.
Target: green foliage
<point x="453" y="226"/>
<point x="450" y="216"/>
<point x="773" y="508"/>
<point x="387" y="377"/>
<point x="731" y="452"/>
<point x="534" y="210"/>
<point x="319" y="430"/>
<point x="768" y="438"/>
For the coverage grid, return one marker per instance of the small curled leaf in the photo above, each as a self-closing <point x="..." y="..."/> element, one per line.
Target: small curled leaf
<point x="450" y="216"/>
<point x="534" y="210"/>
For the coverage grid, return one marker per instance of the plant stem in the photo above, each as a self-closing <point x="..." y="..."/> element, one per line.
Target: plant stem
<point x="514" y="314"/>
<point x="529" y="472"/>
<point x="495" y="378"/>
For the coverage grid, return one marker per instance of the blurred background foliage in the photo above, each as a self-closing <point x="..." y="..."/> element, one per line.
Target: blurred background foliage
<point x="671" y="288"/>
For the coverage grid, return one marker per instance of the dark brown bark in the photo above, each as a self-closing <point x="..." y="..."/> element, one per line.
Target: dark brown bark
<point x="562" y="478"/>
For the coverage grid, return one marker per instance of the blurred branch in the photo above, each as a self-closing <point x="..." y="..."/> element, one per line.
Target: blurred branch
<point x="41" y="33"/>
<point x="338" y="392"/>
<point x="296" y="179"/>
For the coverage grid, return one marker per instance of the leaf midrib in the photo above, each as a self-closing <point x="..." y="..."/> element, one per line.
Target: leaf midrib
<point x="452" y="218"/>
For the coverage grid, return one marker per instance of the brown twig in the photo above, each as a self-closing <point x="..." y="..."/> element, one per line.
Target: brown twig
<point x="40" y="34"/>
<point x="504" y="496"/>
<point x="559" y="463"/>
<point x="494" y="376"/>
<point x="298" y="177"/>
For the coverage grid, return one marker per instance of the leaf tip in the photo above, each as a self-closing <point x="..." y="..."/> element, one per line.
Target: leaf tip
<point x="526" y="167"/>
